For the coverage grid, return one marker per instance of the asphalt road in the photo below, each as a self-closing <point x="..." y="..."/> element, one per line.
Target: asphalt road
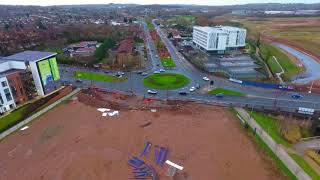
<point x="256" y="97"/>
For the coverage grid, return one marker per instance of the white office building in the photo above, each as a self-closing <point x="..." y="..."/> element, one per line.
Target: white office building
<point x="220" y="38"/>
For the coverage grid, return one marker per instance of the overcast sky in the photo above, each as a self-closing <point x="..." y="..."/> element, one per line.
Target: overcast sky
<point x="198" y="2"/>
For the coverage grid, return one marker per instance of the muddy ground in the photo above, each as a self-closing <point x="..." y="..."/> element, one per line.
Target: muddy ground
<point x="74" y="142"/>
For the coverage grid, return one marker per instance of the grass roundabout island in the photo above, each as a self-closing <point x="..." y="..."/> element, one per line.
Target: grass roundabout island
<point x="166" y="81"/>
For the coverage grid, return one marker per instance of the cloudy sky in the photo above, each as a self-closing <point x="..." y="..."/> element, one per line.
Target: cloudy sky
<point x="199" y="2"/>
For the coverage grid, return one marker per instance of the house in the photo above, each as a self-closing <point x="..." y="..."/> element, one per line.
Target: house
<point x="124" y="51"/>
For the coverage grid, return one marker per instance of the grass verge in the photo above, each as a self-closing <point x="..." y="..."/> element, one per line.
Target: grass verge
<point x="98" y="77"/>
<point x="271" y="127"/>
<point x="226" y="92"/>
<point x="261" y="145"/>
<point x="168" y="62"/>
<point x="166" y="81"/>
<point x="7" y="121"/>
<point x="305" y="166"/>
<point x="268" y="51"/>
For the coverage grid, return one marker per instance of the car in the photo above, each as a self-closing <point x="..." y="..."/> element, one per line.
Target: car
<point x="220" y="95"/>
<point x="118" y="75"/>
<point x="296" y="96"/>
<point x="107" y="72"/>
<point x="121" y="73"/>
<point x="156" y="72"/>
<point x="152" y="91"/>
<point x="157" y="56"/>
<point x="206" y="79"/>
<point x="192" y="89"/>
<point x="139" y="72"/>
<point x="144" y="74"/>
<point x="162" y="70"/>
<point x="198" y="86"/>
<point x="79" y="81"/>
<point x="158" y="64"/>
<point x="183" y="93"/>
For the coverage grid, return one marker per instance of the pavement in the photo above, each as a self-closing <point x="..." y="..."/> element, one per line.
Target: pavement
<point x="256" y="97"/>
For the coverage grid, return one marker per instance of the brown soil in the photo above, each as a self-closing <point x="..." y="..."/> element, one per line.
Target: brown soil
<point x="73" y="141"/>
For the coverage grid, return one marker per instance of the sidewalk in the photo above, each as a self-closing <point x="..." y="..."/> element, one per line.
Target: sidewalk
<point x="276" y="148"/>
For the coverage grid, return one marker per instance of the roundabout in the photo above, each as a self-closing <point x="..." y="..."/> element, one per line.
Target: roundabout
<point x="166" y="81"/>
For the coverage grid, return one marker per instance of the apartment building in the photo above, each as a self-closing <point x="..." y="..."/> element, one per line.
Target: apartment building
<point x="219" y="38"/>
<point x="25" y="75"/>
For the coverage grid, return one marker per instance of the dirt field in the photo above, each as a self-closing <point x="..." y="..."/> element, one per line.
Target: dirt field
<point x="299" y="33"/>
<point x="73" y="141"/>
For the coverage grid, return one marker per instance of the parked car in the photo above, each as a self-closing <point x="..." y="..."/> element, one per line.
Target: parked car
<point x="162" y="70"/>
<point x="144" y="74"/>
<point x="206" y="79"/>
<point x="296" y="96"/>
<point x="121" y="73"/>
<point x="152" y="91"/>
<point x="198" y="86"/>
<point x="192" y="89"/>
<point x="107" y="72"/>
<point x="220" y="95"/>
<point x="139" y="72"/>
<point x="156" y="72"/>
<point x="79" y="81"/>
<point x="183" y="93"/>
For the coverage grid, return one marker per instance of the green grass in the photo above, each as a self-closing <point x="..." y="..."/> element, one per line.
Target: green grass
<point x="166" y="81"/>
<point x="54" y="49"/>
<point x="168" y="62"/>
<point x="281" y="166"/>
<point x="266" y="149"/>
<point x="226" y="92"/>
<point x="187" y="18"/>
<point x="150" y="25"/>
<point x="305" y="166"/>
<point x="270" y="126"/>
<point x="98" y="77"/>
<point x="14" y="116"/>
<point x="268" y="51"/>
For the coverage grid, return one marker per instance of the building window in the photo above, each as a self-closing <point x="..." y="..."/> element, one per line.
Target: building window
<point x="1" y="100"/>
<point x="8" y="94"/>
<point x="4" y="83"/>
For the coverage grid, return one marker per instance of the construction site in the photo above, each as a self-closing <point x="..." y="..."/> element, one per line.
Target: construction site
<point x="103" y="135"/>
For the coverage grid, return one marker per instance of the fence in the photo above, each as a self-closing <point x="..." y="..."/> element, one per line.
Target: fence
<point x="276" y="148"/>
<point x="263" y="85"/>
<point x="34" y="116"/>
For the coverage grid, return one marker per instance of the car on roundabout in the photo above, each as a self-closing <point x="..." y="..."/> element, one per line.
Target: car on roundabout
<point x="152" y="91"/>
<point x="192" y="89"/>
<point x="206" y="78"/>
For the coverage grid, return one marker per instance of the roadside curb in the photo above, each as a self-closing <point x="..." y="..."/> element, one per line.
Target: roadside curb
<point x="36" y="115"/>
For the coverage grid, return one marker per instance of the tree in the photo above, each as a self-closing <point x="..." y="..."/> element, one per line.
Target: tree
<point x="40" y="25"/>
<point x="7" y="26"/>
<point x="258" y="41"/>
<point x="101" y="52"/>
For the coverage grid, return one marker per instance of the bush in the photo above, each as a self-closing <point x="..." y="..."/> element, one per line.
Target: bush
<point x="313" y="155"/>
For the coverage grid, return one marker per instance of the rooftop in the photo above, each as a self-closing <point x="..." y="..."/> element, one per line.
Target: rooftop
<point x="217" y="28"/>
<point x="29" y="56"/>
<point x="125" y="46"/>
<point x="10" y="71"/>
